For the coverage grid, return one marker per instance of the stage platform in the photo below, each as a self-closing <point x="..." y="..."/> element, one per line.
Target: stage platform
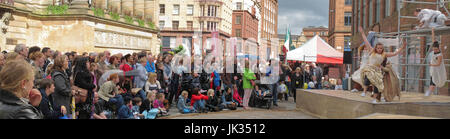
<point x="347" y="105"/>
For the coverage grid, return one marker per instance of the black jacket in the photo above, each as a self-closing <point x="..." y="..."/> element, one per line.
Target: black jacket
<point x="213" y="101"/>
<point x="47" y="108"/>
<point x="12" y="107"/>
<point x="63" y="90"/>
<point x="84" y="80"/>
<point x="160" y="77"/>
<point x="297" y="79"/>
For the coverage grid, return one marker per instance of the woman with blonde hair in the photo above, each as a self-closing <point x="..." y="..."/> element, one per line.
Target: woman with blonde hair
<point x="152" y="83"/>
<point x="372" y="73"/>
<point x="16" y="83"/>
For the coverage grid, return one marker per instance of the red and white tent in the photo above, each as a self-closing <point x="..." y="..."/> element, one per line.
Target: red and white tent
<point x="316" y="50"/>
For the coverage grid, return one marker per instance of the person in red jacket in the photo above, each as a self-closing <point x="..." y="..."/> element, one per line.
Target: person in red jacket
<point x="125" y="67"/>
<point x="198" y="101"/>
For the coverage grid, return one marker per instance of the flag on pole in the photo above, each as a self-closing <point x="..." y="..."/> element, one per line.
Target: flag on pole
<point x="287" y="41"/>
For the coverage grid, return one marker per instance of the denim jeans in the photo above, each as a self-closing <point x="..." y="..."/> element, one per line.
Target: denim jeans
<point x="142" y="94"/>
<point x="274" y="89"/>
<point x="117" y="100"/>
<point x="199" y="105"/>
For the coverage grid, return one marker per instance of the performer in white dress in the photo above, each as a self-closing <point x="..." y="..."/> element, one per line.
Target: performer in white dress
<point x="363" y="52"/>
<point x="430" y="18"/>
<point x="437" y="67"/>
<point x="372" y="73"/>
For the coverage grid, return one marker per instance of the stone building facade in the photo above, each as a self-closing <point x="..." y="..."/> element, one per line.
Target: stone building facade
<point x="79" y="28"/>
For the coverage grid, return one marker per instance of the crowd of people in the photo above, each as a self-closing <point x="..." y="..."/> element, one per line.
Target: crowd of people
<point x="48" y="84"/>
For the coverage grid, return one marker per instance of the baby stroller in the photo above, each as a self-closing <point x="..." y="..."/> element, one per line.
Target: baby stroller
<point x="261" y="101"/>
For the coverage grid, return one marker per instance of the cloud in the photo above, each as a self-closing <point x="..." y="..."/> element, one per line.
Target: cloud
<point x="302" y="13"/>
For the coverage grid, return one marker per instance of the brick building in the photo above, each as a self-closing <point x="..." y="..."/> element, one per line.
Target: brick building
<point x="245" y="22"/>
<point x="310" y="32"/>
<point x="340" y="24"/>
<point x="382" y="16"/>
<point x="178" y="21"/>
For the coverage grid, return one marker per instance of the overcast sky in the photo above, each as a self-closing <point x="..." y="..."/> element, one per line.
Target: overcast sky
<point x="301" y="13"/>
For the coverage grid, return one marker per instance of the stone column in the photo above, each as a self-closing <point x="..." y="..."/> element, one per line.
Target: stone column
<point x="139" y="8"/>
<point x="127" y="7"/>
<point x="150" y="10"/>
<point x="116" y="6"/>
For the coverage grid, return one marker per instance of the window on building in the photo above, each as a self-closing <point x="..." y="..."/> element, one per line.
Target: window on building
<point x="348" y="18"/>
<point x="190" y="10"/>
<point x="176" y="10"/>
<point x="175" y="25"/>
<point x="166" y="41"/>
<point x="189" y="25"/>
<point x="238" y="19"/>
<point x="387" y="8"/>
<point x="162" y="9"/>
<point x="378" y="11"/>
<point x="348" y="2"/>
<point x="239" y="6"/>
<point x="161" y="24"/>
<point x="238" y="33"/>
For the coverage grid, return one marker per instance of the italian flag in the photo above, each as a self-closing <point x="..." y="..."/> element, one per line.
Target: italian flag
<point x="287" y="41"/>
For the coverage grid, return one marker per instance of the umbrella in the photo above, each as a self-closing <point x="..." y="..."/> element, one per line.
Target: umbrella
<point x="106" y="75"/>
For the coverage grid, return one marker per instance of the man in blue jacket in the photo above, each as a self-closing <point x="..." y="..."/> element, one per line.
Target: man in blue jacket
<point x="150" y="67"/>
<point x="46" y="106"/>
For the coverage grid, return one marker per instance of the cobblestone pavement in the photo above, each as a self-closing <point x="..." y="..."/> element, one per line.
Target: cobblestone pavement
<point x="285" y="110"/>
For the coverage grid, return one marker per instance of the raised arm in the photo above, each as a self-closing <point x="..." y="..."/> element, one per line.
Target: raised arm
<point x="433" y="38"/>
<point x="398" y="51"/>
<point x="366" y="42"/>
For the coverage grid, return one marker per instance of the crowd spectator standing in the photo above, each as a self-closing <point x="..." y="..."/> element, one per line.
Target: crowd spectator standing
<point x="75" y="81"/>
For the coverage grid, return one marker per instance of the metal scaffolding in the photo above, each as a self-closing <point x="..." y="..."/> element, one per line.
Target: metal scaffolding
<point x="412" y="61"/>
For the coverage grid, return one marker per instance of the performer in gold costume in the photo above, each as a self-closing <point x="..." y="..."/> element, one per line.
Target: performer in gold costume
<point x="372" y="73"/>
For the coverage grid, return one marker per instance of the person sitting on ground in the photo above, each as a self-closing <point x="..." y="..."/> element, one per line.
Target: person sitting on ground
<point x="137" y="102"/>
<point x="213" y="103"/>
<point x="147" y="104"/>
<point x="98" y="112"/>
<point x="125" y="110"/>
<point x="109" y="91"/>
<point x="236" y="97"/>
<point x="46" y="87"/>
<point x="227" y="99"/>
<point x="182" y="107"/>
<point x="158" y="104"/>
<point x="152" y="84"/>
<point x="198" y="101"/>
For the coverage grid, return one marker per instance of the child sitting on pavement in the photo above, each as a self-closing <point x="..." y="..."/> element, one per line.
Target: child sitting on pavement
<point x="198" y="101"/>
<point x="181" y="105"/>
<point x="137" y="102"/>
<point x="227" y="99"/>
<point x="158" y="104"/>
<point x="213" y="102"/>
